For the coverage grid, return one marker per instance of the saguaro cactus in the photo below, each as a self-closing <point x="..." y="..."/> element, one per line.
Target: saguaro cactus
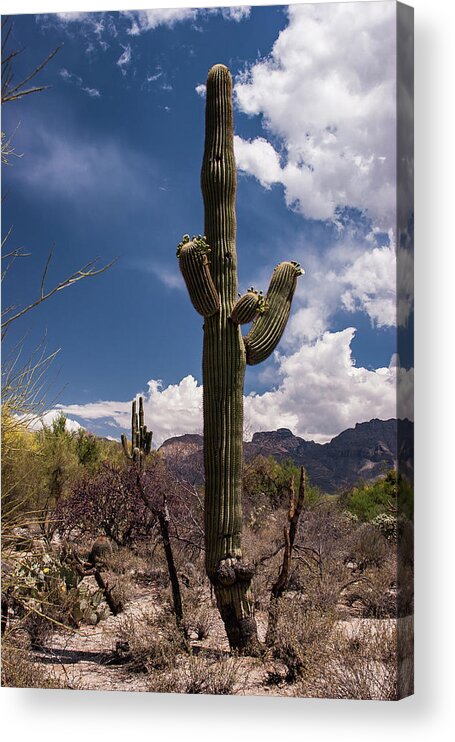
<point x="141" y="438"/>
<point x="141" y="442"/>
<point x="209" y="267"/>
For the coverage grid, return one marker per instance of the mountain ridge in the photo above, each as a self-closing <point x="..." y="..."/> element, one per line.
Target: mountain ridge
<point x="362" y="453"/>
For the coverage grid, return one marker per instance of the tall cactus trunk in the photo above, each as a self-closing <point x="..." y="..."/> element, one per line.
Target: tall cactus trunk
<point x="213" y="291"/>
<point x="223" y="368"/>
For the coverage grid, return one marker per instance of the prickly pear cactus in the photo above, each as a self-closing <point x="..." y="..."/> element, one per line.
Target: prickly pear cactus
<point x="209" y="268"/>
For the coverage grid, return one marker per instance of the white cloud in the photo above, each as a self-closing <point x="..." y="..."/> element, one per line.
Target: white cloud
<point x="321" y="392"/>
<point x="46" y="420"/>
<point x="73" y="78"/>
<point x="147" y="20"/>
<point x="405" y="284"/>
<point x="125" y="57"/>
<point x="351" y="275"/>
<point x="371" y="286"/>
<point x="92" y="92"/>
<point x="201" y="90"/>
<point x="173" y="410"/>
<point x="154" y="77"/>
<point x="70" y="76"/>
<point x="327" y="94"/>
<point x="171" y="278"/>
<point x="236" y="13"/>
<point x="72" y="17"/>
<point x="66" y="165"/>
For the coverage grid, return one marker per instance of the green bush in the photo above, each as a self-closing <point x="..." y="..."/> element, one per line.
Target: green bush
<point x="370" y="500"/>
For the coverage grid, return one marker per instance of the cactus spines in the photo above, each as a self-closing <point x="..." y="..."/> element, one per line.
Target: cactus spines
<point x="141" y="438"/>
<point x="224" y="360"/>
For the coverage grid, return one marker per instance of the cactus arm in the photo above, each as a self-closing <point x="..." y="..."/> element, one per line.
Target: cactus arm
<point x="248" y="306"/>
<point x="141" y="414"/>
<point x="269" y="326"/>
<point x="125" y="447"/>
<point x="194" y="266"/>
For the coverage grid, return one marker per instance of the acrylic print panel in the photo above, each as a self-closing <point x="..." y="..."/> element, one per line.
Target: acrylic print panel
<point x="259" y="541"/>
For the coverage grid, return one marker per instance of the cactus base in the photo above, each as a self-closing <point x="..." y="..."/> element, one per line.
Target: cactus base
<point x="236" y="607"/>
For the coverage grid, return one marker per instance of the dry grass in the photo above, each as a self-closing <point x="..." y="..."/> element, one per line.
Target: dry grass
<point x="199" y="676"/>
<point x="20" y="670"/>
<point x="149" y="641"/>
<point x="359" y="664"/>
<point x="301" y="637"/>
<point x="197" y="615"/>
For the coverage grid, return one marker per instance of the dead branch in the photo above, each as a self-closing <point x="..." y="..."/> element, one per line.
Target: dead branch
<point x="290" y="533"/>
<point x="87" y="271"/>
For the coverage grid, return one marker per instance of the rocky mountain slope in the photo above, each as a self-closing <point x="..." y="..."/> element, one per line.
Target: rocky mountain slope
<point x="362" y="453"/>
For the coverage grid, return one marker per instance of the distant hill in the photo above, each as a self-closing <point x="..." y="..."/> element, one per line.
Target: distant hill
<point x="362" y="453"/>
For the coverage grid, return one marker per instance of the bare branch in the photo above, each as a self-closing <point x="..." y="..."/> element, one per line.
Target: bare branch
<point x="87" y="271"/>
<point x="13" y="93"/>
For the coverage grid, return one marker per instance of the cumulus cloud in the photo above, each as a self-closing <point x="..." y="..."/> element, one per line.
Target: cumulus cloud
<point x="371" y="286"/>
<point x="46" y="420"/>
<point x="323" y="392"/>
<point x="352" y="275"/>
<point x="326" y="93"/>
<point x="172" y="410"/>
<point x="320" y="393"/>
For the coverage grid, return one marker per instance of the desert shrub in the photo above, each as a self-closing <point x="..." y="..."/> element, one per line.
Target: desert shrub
<point x="197" y="675"/>
<point x="300" y="637"/>
<point x="368" y="547"/>
<point x="197" y="616"/>
<point x="88" y="449"/>
<point x="405" y="497"/>
<point x="150" y="641"/>
<point x="405" y="597"/>
<point x="323" y="532"/>
<point x="214" y="678"/>
<point x="268" y="479"/>
<point x="20" y="468"/>
<point x="369" y="500"/>
<point x="108" y="502"/>
<point x="20" y="671"/>
<point x="59" y="462"/>
<point x="375" y="593"/>
<point x="128" y="561"/>
<point x="322" y="592"/>
<point x="361" y="664"/>
<point x="387" y="524"/>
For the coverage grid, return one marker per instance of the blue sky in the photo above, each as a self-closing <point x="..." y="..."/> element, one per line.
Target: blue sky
<point x="110" y="168"/>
